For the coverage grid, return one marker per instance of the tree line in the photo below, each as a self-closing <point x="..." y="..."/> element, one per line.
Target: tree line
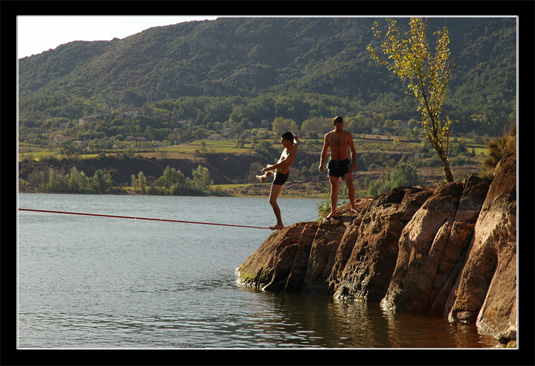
<point x="171" y="182"/>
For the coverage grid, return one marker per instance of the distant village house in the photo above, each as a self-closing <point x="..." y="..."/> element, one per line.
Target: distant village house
<point x="129" y="113"/>
<point x="132" y="138"/>
<point x="216" y="137"/>
<point x="86" y="119"/>
<point x="59" y="138"/>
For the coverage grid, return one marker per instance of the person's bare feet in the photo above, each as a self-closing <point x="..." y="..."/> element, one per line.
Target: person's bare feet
<point x="332" y="214"/>
<point x="261" y="178"/>
<point x="277" y="227"/>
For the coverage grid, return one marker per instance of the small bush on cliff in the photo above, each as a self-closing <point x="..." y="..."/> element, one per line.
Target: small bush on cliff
<point x="500" y="148"/>
<point x="324" y="207"/>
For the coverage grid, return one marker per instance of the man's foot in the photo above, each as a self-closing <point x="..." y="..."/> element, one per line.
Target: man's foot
<point x="354" y="209"/>
<point x="261" y="178"/>
<point x="331" y="215"/>
<point x="277" y="227"/>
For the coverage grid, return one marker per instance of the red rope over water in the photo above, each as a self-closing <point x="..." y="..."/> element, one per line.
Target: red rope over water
<point x="141" y="218"/>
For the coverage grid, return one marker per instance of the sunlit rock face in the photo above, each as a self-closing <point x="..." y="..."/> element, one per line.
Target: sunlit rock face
<point x="448" y="250"/>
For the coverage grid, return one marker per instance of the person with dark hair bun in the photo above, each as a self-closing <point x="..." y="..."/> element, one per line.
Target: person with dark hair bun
<point x="281" y="171"/>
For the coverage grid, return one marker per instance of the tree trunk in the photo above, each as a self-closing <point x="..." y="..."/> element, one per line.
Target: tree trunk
<point x="446" y="168"/>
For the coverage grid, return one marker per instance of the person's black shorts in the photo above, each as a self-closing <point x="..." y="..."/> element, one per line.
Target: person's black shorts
<point x="280" y="179"/>
<point x="339" y="168"/>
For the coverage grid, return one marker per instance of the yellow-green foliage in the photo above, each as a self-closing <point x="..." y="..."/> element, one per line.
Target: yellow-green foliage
<point x="426" y="76"/>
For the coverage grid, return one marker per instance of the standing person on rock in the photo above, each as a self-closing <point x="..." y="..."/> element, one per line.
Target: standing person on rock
<point x="338" y="141"/>
<point x="282" y="171"/>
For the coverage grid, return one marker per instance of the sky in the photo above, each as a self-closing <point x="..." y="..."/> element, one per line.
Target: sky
<point x="37" y="34"/>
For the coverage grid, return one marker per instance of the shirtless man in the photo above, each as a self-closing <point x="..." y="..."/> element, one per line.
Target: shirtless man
<point x="338" y="141"/>
<point x="282" y="171"/>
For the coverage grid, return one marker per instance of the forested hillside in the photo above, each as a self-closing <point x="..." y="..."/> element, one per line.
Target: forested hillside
<point x="191" y="80"/>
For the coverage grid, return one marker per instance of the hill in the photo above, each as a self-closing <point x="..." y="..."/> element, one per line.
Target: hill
<point x="218" y="94"/>
<point x="253" y="69"/>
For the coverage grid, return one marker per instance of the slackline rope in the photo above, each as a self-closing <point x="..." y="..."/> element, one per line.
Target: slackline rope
<point x="141" y="218"/>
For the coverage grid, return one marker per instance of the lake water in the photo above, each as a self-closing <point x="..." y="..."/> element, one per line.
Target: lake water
<point x="93" y="282"/>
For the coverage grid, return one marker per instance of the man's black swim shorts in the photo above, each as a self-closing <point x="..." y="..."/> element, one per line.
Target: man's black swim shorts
<point x="280" y="179"/>
<point x="339" y="168"/>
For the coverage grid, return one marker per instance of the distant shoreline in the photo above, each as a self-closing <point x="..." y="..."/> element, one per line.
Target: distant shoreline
<point x="289" y="196"/>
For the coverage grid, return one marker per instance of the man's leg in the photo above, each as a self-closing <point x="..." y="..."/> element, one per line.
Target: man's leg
<point x="273" y="194"/>
<point x="348" y="178"/>
<point x="334" y="195"/>
<point x="262" y="178"/>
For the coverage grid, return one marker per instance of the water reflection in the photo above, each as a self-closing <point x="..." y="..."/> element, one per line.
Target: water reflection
<point x="416" y="331"/>
<point x="297" y="320"/>
<point x="154" y="285"/>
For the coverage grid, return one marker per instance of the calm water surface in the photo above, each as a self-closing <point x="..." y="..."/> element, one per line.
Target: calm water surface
<point x="91" y="282"/>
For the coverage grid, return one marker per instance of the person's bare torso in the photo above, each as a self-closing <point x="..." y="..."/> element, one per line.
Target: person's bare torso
<point x="338" y="143"/>
<point x="285" y="154"/>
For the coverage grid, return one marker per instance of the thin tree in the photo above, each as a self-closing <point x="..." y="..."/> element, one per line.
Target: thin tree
<point x="425" y="75"/>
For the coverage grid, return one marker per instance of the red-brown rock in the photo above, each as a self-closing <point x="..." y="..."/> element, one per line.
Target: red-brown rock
<point x="447" y="251"/>
<point x="486" y="289"/>
<point x="367" y="272"/>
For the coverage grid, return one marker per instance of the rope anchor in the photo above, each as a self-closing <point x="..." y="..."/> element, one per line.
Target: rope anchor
<point x="141" y="218"/>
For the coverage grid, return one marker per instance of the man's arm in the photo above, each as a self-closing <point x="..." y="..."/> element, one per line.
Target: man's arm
<point x="353" y="152"/>
<point x="284" y="163"/>
<point x="324" y="152"/>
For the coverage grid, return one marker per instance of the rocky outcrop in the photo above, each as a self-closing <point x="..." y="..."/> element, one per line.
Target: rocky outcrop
<point x="485" y="291"/>
<point x="448" y="251"/>
<point x="372" y="244"/>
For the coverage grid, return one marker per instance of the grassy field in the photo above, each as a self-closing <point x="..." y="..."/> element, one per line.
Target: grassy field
<point x="363" y="143"/>
<point x="380" y="153"/>
<point x="183" y="151"/>
<point x="27" y="150"/>
<point x="188" y="150"/>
